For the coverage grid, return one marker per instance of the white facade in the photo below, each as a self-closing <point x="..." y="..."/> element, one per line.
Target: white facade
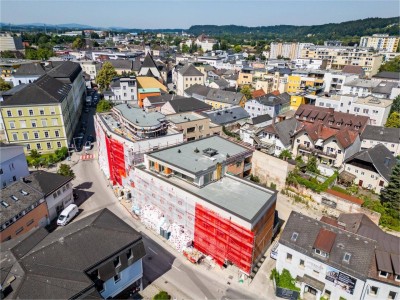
<point x="126" y="92"/>
<point x="59" y="200"/>
<point x="23" y="79"/>
<point x="367" y="179"/>
<point x="379" y="290"/>
<point x="299" y="264"/>
<point x="393" y="147"/>
<point x="255" y="108"/>
<point x="274" y="140"/>
<point x="91" y="68"/>
<point x="184" y="82"/>
<point x="115" y="285"/>
<point x="13" y="165"/>
<point x="214" y="61"/>
<point x="334" y="82"/>
<point x="308" y="63"/>
<point x="376" y="109"/>
<point x="341" y="103"/>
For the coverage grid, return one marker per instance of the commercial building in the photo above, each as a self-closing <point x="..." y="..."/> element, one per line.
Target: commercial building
<point x="125" y="134"/>
<point x="13" y="163"/>
<point x="380" y="42"/>
<point x="10" y="43"/>
<point x="98" y="256"/>
<point x="226" y="217"/>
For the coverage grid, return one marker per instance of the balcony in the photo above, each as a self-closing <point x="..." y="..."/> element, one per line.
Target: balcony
<point x="318" y="152"/>
<point x="247" y="167"/>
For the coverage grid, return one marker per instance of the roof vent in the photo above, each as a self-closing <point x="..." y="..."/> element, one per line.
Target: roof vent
<point x="179" y="151"/>
<point x="196" y="150"/>
<point x="210" y="152"/>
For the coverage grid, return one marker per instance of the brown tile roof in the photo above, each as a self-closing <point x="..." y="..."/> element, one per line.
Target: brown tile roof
<point x="353" y="70"/>
<point x="329" y="221"/>
<point x="345" y="197"/>
<point x="325" y="240"/>
<point x="258" y="93"/>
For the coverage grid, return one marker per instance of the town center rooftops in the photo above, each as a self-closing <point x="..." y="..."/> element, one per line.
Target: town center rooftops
<point x="184" y="117"/>
<point x="139" y="117"/>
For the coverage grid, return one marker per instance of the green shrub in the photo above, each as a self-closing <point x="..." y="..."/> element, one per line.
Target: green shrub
<point x="284" y="280"/>
<point x="162" y="296"/>
<point x="341" y="190"/>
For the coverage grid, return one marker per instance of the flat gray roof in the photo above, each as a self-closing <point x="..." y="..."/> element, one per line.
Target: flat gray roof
<point x="184" y="117"/>
<point x="139" y="117"/>
<point x="193" y="162"/>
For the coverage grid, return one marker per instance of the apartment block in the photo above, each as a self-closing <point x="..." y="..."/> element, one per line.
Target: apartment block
<point x="287" y="50"/>
<point x="13" y="165"/>
<point x="380" y="42"/>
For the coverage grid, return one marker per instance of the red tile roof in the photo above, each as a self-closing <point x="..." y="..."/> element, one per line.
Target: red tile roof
<point x="345" y="197"/>
<point x="258" y="93"/>
<point x="325" y="240"/>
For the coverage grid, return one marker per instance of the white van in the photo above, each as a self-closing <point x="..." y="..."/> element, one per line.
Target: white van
<point x="67" y="214"/>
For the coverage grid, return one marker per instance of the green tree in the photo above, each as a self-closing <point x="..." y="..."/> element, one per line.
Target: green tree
<point x="94" y="35"/>
<point x="66" y="170"/>
<point x="393" y="121"/>
<point x="185" y="48"/>
<point x="78" y="43"/>
<point x="4" y="86"/>
<point x="30" y="53"/>
<point x="215" y="46"/>
<point x="104" y="106"/>
<point x="7" y="54"/>
<point x="34" y="154"/>
<point x="237" y="49"/>
<point x="390" y="195"/>
<point x="106" y="74"/>
<point x="395" y="105"/>
<point x="391" y="65"/>
<point x="312" y="165"/>
<point x="162" y="296"/>
<point x="285" y="154"/>
<point x="246" y="91"/>
<point x="44" y="53"/>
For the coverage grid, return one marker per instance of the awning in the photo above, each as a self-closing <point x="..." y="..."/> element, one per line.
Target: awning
<point x="310" y="281"/>
<point x="347" y="177"/>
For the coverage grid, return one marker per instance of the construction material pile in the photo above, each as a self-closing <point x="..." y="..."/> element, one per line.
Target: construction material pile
<point x="150" y="217"/>
<point x="179" y="239"/>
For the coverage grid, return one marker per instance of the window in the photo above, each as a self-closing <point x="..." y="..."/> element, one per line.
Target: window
<point x="117" y="278"/>
<point x="289" y="257"/>
<point x="31" y="112"/>
<point x="28" y="147"/>
<point x="38" y="146"/>
<point x="201" y="127"/>
<point x="294" y="236"/>
<point x="9" y="114"/>
<point x="52" y="110"/>
<point x="36" y="135"/>
<point x="20" y="113"/>
<point x="44" y="123"/>
<point x="129" y="254"/>
<point x="346" y="257"/>
<point x="383" y="274"/>
<point x="59" y="144"/>
<point x="397" y="278"/>
<point x="301" y="264"/>
<point x="41" y="111"/>
<point x="25" y="135"/>
<point x="22" y="124"/>
<point x="373" y="290"/>
<point x="339" y="151"/>
<point x="57" y="133"/>
<point x="15" y="136"/>
<point x="29" y="222"/>
<point x="319" y="252"/>
<point x="12" y="125"/>
<point x="54" y="122"/>
<point x="190" y="129"/>
<point x="117" y="262"/>
<point x="392" y="295"/>
<point x="54" y="195"/>
<point x="19" y="230"/>
<point x="46" y="134"/>
<point x="33" y="122"/>
<point x="48" y="145"/>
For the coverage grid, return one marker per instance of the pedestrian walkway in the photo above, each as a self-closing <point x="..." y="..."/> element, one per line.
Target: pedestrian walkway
<point x="87" y="156"/>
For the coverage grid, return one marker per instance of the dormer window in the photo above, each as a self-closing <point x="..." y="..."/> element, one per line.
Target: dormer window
<point x="397" y="278"/>
<point x="294" y="237"/>
<point x="346" y="257"/>
<point x="321" y="253"/>
<point x="330" y="122"/>
<point x="117" y="262"/>
<point x="383" y="274"/>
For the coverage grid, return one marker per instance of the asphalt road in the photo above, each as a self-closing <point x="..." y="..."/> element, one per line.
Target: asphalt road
<point x="163" y="267"/>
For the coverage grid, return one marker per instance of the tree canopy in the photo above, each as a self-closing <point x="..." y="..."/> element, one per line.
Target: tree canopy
<point x="395" y="105"/>
<point x="66" y="170"/>
<point x="391" y="65"/>
<point x="78" y="43"/>
<point x="394" y="120"/>
<point x="104" y="106"/>
<point x="106" y="74"/>
<point x="390" y="195"/>
<point x="4" y="85"/>
<point x="246" y="90"/>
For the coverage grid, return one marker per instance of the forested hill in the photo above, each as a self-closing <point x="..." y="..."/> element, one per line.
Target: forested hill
<point x="327" y="31"/>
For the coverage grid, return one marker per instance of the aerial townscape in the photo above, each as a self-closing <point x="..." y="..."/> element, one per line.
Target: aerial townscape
<point x="255" y="161"/>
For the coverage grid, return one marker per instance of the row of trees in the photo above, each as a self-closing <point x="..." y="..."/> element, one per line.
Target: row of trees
<point x="393" y="120"/>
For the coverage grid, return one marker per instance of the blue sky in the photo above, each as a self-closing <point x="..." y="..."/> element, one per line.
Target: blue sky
<point x="184" y="13"/>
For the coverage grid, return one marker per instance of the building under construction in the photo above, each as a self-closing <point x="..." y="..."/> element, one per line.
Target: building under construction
<point x="189" y="193"/>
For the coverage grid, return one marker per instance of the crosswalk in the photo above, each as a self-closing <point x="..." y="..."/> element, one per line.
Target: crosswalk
<point x="87" y="156"/>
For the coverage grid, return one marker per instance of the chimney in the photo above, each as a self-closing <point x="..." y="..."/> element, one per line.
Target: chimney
<point x="387" y="161"/>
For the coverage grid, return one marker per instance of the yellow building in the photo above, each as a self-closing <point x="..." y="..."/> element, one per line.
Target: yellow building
<point x="299" y="99"/>
<point x="223" y="99"/>
<point x="41" y="116"/>
<point x="245" y="76"/>
<point x="298" y="83"/>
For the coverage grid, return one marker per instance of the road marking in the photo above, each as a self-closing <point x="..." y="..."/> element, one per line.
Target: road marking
<point x="152" y="250"/>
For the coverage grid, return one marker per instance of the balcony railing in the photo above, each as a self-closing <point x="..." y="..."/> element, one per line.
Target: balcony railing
<point x="247" y="167"/>
<point x="317" y="151"/>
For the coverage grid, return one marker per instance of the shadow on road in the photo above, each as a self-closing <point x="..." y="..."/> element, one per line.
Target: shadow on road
<point x="84" y="186"/>
<point x="82" y="196"/>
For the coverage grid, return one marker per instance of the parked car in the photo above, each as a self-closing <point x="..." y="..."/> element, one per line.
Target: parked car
<point x="67" y="214"/>
<point x="88" y="145"/>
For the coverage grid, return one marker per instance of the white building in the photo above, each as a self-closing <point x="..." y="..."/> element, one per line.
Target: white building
<point x="334" y="81"/>
<point x="205" y="42"/>
<point x="374" y="135"/>
<point x="376" y="109"/>
<point x="91" y="68"/>
<point x="186" y="77"/>
<point x="122" y="90"/>
<point x="13" y="165"/>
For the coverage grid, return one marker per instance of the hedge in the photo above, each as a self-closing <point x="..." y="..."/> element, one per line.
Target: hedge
<point x="314" y="185"/>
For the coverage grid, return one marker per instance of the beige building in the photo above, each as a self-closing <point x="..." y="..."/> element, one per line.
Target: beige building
<point x="339" y="57"/>
<point x="194" y="126"/>
<point x="380" y="42"/>
<point x="287" y="50"/>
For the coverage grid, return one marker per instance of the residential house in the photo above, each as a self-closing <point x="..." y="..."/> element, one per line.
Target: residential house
<point x="13" y="165"/>
<point x="197" y="91"/>
<point x="180" y="105"/>
<point x="22" y="209"/>
<point x="205" y="43"/>
<point x="188" y="76"/>
<point x="386" y="90"/>
<point x="154" y="103"/>
<point x="101" y="253"/>
<point x="245" y="76"/>
<point x="122" y="90"/>
<point x="125" y="67"/>
<point x="380" y="42"/>
<point x="374" y="135"/>
<point x="232" y="117"/>
<point x="359" y="87"/>
<point x="219" y="84"/>
<point x="27" y="73"/>
<point x="91" y="68"/>
<point x="193" y="125"/>
<point x="387" y="76"/>
<point x="56" y="189"/>
<point x="42" y="115"/>
<point x="326" y="260"/>
<point x="371" y="167"/>
<point x="147" y="87"/>
<point x="271" y="104"/>
<point x="252" y="126"/>
<point x="223" y="99"/>
<point x="334" y="81"/>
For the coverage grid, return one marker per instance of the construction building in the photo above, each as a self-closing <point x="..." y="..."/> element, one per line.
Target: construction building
<point x="190" y="195"/>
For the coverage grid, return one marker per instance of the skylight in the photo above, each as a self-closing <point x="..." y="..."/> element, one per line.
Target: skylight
<point x="346" y="257"/>
<point x="15" y="198"/>
<point x="294" y="236"/>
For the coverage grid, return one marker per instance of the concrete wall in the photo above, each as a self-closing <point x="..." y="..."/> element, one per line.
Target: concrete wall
<point x="270" y="169"/>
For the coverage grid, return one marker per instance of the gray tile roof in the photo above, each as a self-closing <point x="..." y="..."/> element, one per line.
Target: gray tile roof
<point x="46" y="182"/>
<point x="227" y="115"/>
<point x="361" y="249"/>
<point x="197" y="89"/>
<point x="45" y="90"/>
<point x="139" y="117"/>
<point x="190" y="70"/>
<point x="382" y="134"/>
<point x="284" y="129"/>
<point x="378" y="156"/>
<point x="149" y="62"/>
<point x="30" y="70"/>
<point x="388" y="75"/>
<point x="121" y="63"/>
<point x="260" y="119"/>
<point x="66" y="71"/>
<point x="272" y="100"/>
<point x="57" y="264"/>
<point x="228" y="97"/>
<point x="385" y="87"/>
<point x="188" y="104"/>
<point x="163" y="98"/>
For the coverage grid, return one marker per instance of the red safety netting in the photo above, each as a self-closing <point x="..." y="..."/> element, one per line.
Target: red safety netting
<point x="116" y="160"/>
<point x="222" y="239"/>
